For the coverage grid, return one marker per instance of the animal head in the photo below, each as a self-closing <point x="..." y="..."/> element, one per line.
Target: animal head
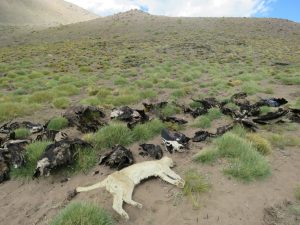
<point x="167" y="161"/>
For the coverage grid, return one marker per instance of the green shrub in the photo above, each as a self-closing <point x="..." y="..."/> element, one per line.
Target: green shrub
<point x="41" y="97"/>
<point x="251" y="87"/>
<point x="115" y="133"/>
<point x="245" y="162"/>
<point x="85" y="159"/>
<point x="144" y="132"/>
<point x="22" y="133"/>
<point x="195" y="105"/>
<point x="33" y="154"/>
<point x="14" y="109"/>
<point x="148" y="94"/>
<point x="85" y="69"/>
<point x="120" y="81"/>
<point x="207" y="156"/>
<point x="169" y="110"/>
<point x="66" y="90"/>
<point x="214" y="113"/>
<point x="82" y="214"/>
<point x="57" y="123"/>
<point x="61" y="103"/>
<point x="202" y="122"/>
<point x="124" y="99"/>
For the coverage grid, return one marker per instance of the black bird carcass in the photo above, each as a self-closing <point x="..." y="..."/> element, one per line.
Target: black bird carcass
<point x="58" y="154"/>
<point x="12" y="154"/>
<point x="85" y="118"/>
<point x="174" y="141"/>
<point x="129" y="115"/>
<point x="152" y="150"/>
<point x="119" y="157"/>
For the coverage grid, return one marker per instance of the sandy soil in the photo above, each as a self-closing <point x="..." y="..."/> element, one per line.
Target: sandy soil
<point x="229" y="202"/>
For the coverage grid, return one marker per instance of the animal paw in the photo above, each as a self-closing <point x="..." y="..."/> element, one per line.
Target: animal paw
<point x="180" y="183"/>
<point x="125" y="215"/>
<point x="139" y="205"/>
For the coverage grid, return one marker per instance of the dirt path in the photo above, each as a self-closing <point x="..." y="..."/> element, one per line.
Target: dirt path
<point x="228" y="202"/>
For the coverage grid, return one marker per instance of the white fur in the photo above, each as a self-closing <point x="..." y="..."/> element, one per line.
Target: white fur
<point x="41" y="164"/>
<point x="176" y="146"/>
<point x="121" y="183"/>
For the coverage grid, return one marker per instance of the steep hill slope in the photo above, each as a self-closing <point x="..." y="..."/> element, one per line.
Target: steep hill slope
<point x="46" y="12"/>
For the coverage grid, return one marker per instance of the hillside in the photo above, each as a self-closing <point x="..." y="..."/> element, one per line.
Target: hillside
<point x="250" y="178"/>
<point x="46" y="12"/>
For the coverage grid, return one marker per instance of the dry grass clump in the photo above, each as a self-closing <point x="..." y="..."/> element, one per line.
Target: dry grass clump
<point x="195" y="184"/>
<point x="261" y="144"/>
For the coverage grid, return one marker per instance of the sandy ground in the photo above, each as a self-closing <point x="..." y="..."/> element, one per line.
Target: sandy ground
<point x="228" y="202"/>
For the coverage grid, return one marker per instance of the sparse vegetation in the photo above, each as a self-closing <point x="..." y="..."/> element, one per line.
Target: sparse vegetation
<point x="245" y="162"/>
<point x="195" y="184"/>
<point x="282" y="141"/>
<point x="82" y="214"/>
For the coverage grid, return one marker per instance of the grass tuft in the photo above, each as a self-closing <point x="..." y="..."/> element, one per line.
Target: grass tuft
<point x="85" y="159"/>
<point x="118" y="133"/>
<point x="22" y="133"/>
<point x="281" y="141"/>
<point x="115" y="133"/>
<point x="15" y="109"/>
<point x="208" y="155"/>
<point x="262" y="145"/>
<point x="57" y="123"/>
<point x="61" y="103"/>
<point x="144" y="132"/>
<point x="83" y="214"/>
<point x="214" y="113"/>
<point x="245" y="162"/>
<point x="169" y="110"/>
<point x="202" y="122"/>
<point x="195" y="184"/>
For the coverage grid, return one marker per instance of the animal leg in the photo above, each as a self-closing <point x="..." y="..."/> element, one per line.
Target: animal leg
<point x="168" y="179"/>
<point x="117" y="205"/>
<point x="128" y="199"/>
<point x="172" y="174"/>
<point x="172" y="178"/>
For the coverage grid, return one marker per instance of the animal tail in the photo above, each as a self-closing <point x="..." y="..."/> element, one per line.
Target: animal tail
<point x="92" y="187"/>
